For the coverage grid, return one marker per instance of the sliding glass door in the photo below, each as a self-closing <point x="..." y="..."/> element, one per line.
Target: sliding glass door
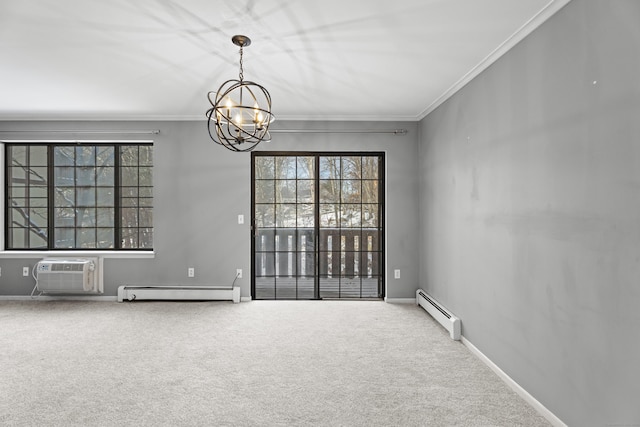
<point x="317" y="225"/>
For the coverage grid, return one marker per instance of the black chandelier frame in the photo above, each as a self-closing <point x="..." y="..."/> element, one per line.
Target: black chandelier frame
<point x="239" y="126"/>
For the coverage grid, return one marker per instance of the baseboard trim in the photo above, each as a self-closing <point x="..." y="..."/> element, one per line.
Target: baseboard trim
<point x="245" y="299"/>
<point x="101" y="298"/>
<point x="400" y="300"/>
<point x="542" y="410"/>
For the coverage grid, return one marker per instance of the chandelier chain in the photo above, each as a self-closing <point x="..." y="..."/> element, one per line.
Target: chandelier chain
<point x="241" y="70"/>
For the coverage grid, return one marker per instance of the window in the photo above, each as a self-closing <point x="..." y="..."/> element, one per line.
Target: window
<point x="65" y="196"/>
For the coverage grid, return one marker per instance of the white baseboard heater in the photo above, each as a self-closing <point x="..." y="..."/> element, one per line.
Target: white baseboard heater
<point x="187" y="293"/>
<point x="450" y="322"/>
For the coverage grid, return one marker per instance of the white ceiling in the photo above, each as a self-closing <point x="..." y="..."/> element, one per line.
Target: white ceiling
<point x="329" y="59"/>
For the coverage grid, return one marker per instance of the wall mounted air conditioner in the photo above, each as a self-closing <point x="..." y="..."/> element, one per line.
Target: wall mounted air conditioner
<point x="69" y="275"/>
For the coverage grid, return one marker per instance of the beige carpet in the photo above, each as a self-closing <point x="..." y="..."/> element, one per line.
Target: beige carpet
<point x="282" y="363"/>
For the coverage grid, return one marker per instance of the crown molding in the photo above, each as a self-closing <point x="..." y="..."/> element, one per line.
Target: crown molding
<point x="547" y="12"/>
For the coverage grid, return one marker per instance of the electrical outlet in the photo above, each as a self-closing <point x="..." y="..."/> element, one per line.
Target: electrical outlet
<point x="396" y="273"/>
<point x="25" y="271"/>
<point x="191" y="272"/>
<point x="241" y="219"/>
<point x="239" y="273"/>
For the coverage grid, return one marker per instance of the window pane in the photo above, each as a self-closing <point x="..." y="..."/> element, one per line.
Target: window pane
<point x="38" y="175"/>
<point x="285" y="191"/>
<point x="306" y="191"/>
<point x="264" y="191"/>
<point x="105" y="177"/>
<point x="145" y="238"/>
<point x="370" y="167"/>
<point x="64" y="176"/>
<point x="265" y="240"/>
<point x="86" y="217"/>
<point x="129" y="155"/>
<point x="306" y="215"/>
<point x="38" y="202"/>
<point x="18" y="191"/>
<point x="18" y="174"/>
<point x="145" y="191"/>
<point x="351" y="191"/>
<point x="145" y="177"/>
<point x="129" y="202"/>
<point x="306" y="167"/>
<point x="285" y="167"/>
<point x="285" y="240"/>
<point x="65" y="197"/>
<point x="329" y="167"/>
<point x="129" y="217"/>
<point x="146" y="202"/>
<point x="370" y="215"/>
<point x="38" y="191"/>
<point x="63" y="156"/>
<point x="19" y="202"/>
<point x="105" y="197"/>
<point x="18" y="154"/>
<point x="265" y="216"/>
<point x="38" y="217"/>
<point x="351" y="167"/>
<point x="285" y="215"/>
<point x="350" y="216"/>
<point x="86" y="197"/>
<point x="329" y="215"/>
<point x="145" y="216"/>
<point x="330" y="191"/>
<point x="38" y="155"/>
<point x="105" y="238"/>
<point x="264" y="168"/>
<point x="86" y="155"/>
<point x="129" y="238"/>
<point x="17" y="216"/>
<point x="105" y="217"/>
<point x="64" y="237"/>
<point x="105" y="156"/>
<point x="86" y="176"/>
<point x="145" y="154"/>
<point x="17" y="238"/>
<point x="86" y="238"/>
<point x="65" y="217"/>
<point x="129" y="176"/>
<point x="370" y="191"/>
<point x="37" y="239"/>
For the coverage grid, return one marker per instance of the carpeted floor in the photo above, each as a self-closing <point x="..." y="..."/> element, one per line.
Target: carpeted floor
<point x="263" y="363"/>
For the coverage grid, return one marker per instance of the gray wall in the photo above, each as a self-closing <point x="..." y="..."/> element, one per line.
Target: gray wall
<point x="200" y="188"/>
<point x="530" y="212"/>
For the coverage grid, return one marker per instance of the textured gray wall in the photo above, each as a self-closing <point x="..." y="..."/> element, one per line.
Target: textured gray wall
<point x="530" y="212"/>
<point x="200" y="188"/>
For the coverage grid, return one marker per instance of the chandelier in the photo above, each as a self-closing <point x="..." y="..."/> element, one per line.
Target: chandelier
<point x="240" y="112"/>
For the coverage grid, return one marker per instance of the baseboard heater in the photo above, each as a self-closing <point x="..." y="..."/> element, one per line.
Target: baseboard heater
<point x="188" y="293"/>
<point x="450" y="322"/>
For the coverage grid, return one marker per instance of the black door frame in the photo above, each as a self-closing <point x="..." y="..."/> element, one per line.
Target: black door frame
<point x="317" y="155"/>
